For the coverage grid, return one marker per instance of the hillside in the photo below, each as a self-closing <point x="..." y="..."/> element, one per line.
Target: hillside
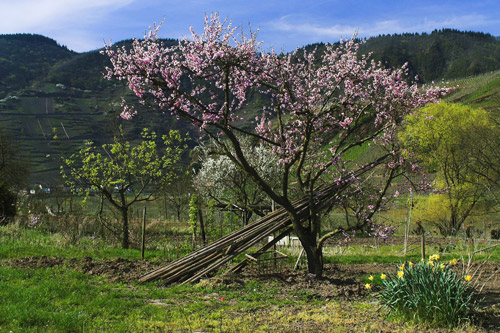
<point x="45" y="87"/>
<point x="25" y="57"/>
<point x="481" y="91"/>
<point x="442" y="54"/>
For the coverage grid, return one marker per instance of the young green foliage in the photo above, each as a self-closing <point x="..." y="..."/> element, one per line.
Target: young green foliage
<point x="443" y="138"/>
<point x="123" y="173"/>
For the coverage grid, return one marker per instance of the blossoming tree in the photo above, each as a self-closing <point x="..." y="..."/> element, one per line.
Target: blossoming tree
<point x="321" y="107"/>
<point x="219" y="179"/>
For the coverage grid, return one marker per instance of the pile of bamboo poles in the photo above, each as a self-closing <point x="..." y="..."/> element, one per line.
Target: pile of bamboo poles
<point x="198" y="264"/>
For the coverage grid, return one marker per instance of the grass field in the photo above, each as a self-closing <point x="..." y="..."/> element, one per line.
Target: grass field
<point x="41" y="292"/>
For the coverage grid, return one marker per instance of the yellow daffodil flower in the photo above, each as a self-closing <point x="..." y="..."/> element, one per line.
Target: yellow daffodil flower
<point x="368" y="286"/>
<point x="401" y="274"/>
<point x="434" y="257"/>
<point x="468" y="278"/>
<point x="370" y="278"/>
<point x="383" y="276"/>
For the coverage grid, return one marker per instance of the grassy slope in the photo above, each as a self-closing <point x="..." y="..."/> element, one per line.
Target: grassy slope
<point x="482" y="91"/>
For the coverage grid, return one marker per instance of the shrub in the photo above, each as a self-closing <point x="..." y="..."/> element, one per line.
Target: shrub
<point x="430" y="293"/>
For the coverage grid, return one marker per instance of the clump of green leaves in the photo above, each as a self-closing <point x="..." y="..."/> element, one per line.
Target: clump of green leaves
<point x="124" y="173"/>
<point x="430" y="293"/>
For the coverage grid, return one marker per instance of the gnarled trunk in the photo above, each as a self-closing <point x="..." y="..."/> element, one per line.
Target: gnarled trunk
<point x="314" y="260"/>
<point x="314" y="253"/>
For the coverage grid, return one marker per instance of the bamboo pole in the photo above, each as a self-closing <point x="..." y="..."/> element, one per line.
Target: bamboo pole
<point x="237" y="268"/>
<point x="203" y="261"/>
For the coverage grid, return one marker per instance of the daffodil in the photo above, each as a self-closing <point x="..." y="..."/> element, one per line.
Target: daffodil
<point x="453" y="262"/>
<point x="430" y="263"/>
<point x="368" y="286"/>
<point x="410" y="264"/>
<point x="370" y="278"/>
<point x="402" y="267"/>
<point x="401" y="274"/>
<point x="442" y="266"/>
<point x="383" y="276"/>
<point x="434" y="257"/>
<point x="468" y="278"/>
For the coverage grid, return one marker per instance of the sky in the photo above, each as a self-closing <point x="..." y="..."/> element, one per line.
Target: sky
<point x="84" y="25"/>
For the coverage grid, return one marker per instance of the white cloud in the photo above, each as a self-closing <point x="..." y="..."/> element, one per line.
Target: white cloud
<point x="293" y="26"/>
<point x="55" y="18"/>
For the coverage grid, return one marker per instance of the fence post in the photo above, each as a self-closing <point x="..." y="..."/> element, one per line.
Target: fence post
<point x="143" y="245"/>
<point x="423" y="246"/>
<point x="409" y="206"/>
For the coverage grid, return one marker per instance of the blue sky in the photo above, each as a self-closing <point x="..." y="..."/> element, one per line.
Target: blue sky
<point x="84" y="25"/>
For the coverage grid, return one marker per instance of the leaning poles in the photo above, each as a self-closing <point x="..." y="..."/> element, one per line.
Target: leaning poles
<point x="208" y="259"/>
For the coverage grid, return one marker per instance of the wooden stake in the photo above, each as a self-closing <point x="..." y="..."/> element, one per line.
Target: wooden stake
<point x="298" y="259"/>
<point x="143" y="244"/>
<point x="423" y="245"/>
<point x="205" y="260"/>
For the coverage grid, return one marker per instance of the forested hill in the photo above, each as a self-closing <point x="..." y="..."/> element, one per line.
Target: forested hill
<point x="447" y="53"/>
<point x="442" y="54"/>
<point x="44" y="87"/>
<point x="26" y="57"/>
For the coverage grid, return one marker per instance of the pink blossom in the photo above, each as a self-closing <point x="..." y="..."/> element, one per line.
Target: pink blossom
<point x="320" y="107"/>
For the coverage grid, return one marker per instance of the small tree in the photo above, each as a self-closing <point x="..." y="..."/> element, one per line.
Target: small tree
<point x="13" y="174"/>
<point x="122" y="173"/>
<point x="444" y="137"/>
<point x="219" y="179"/>
<point x="320" y="108"/>
<point x="177" y="194"/>
<point x="193" y="218"/>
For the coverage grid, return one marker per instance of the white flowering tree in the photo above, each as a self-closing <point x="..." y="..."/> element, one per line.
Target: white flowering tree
<point x="321" y="107"/>
<point x="221" y="180"/>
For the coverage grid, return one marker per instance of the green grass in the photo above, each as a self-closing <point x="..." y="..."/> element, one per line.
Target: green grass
<point x="56" y="299"/>
<point x="19" y="242"/>
<point x="481" y="90"/>
<point x="62" y="299"/>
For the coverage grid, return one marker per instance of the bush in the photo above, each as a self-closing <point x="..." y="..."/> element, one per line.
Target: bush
<point x="8" y="201"/>
<point x="430" y="293"/>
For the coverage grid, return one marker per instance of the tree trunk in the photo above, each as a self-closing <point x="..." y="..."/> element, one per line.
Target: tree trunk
<point x="314" y="259"/>
<point x="314" y="254"/>
<point x="125" y="239"/>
